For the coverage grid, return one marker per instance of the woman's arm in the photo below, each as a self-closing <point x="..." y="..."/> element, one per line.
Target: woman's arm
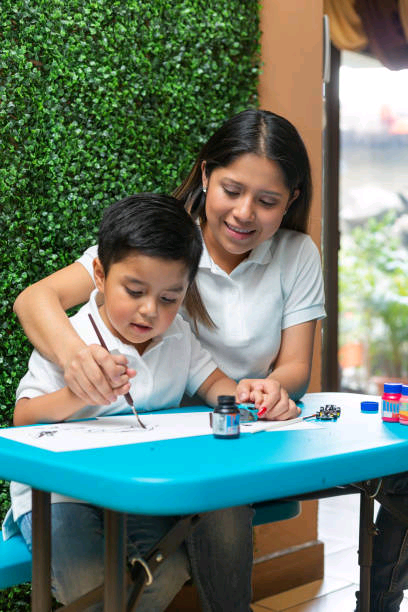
<point x="90" y="371"/>
<point x="291" y="374"/>
<point x="41" y="311"/>
<point x="294" y="362"/>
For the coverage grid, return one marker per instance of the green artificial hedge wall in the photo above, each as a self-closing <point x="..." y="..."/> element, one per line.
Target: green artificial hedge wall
<point x="100" y="99"/>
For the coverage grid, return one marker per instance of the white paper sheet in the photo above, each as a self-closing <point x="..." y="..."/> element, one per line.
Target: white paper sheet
<point x="120" y="430"/>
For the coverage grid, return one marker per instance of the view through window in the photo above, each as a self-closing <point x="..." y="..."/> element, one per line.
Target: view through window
<point x="373" y="258"/>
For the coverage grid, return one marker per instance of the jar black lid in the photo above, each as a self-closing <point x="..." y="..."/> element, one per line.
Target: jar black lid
<point x="226" y="399"/>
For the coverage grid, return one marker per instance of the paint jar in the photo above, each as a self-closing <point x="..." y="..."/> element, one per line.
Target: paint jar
<point x="225" y="418"/>
<point x="390" y="402"/>
<point x="403" y="407"/>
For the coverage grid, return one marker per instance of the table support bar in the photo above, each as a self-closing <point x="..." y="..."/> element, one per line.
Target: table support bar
<point x="115" y="561"/>
<point x="41" y="551"/>
<point x="365" y="548"/>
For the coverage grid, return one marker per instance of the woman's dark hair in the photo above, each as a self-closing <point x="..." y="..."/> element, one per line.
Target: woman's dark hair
<point x="150" y="224"/>
<point x="265" y="134"/>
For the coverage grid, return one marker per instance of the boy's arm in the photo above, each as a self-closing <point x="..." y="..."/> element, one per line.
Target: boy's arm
<point x="48" y="408"/>
<point x="216" y="384"/>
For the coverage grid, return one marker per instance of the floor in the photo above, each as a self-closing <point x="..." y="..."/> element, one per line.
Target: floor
<point x="335" y="593"/>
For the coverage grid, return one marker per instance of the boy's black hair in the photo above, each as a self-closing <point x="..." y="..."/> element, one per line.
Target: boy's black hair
<point x="151" y="224"/>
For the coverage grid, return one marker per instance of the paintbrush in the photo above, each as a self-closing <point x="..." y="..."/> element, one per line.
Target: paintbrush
<point x="128" y="397"/>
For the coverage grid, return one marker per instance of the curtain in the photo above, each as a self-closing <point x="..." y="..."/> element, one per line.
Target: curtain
<point x="346" y="29"/>
<point x="379" y="27"/>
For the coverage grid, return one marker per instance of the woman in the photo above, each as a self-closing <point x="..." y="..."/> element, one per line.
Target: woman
<point x="261" y="286"/>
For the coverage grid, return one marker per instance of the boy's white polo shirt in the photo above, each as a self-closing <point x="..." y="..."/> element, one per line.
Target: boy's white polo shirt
<point x="173" y="363"/>
<point x="278" y="285"/>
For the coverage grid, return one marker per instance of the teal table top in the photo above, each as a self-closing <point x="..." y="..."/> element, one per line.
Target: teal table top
<point x="204" y="473"/>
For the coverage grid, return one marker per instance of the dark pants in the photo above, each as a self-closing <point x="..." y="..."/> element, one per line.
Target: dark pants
<point x="389" y="573"/>
<point x="217" y="554"/>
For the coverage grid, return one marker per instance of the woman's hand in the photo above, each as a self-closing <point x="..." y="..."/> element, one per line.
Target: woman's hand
<point x="270" y="398"/>
<point x="97" y="376"/>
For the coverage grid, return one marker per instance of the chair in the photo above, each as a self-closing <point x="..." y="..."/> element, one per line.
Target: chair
<point x="15" y="562"/>
<point x="15" y="558"/>
<point x="273" y="511"/>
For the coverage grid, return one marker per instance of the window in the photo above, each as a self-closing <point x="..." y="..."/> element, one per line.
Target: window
<point x="373" y="218"/>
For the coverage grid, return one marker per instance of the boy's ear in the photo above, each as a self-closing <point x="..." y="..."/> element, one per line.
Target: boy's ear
<point x="99" y="274"/>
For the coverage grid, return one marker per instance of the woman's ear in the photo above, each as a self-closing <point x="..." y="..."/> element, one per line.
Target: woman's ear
<point x="204" y="177"/>
<point x="295" y="195"/>
<point x="99" y="274"/>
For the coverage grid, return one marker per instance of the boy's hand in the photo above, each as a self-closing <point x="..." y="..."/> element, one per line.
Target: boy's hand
<point x="97" y="376"/>
<point x="270" y="398"/>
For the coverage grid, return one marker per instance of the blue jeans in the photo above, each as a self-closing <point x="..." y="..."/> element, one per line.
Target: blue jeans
<point x="220" y="550"/>
<point x="389" y="572"/>
<point x="219" y="556"/>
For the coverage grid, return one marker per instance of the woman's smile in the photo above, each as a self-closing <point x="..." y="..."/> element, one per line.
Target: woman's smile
<point x="239" y="233"/>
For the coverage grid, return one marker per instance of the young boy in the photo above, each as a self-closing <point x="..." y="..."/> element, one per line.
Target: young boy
<point x="148" y="254"/>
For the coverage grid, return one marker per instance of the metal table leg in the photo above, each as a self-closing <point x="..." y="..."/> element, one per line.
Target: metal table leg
<point x="368" y="530"/>
<point x="115" y="562"/>
<point x="368" y="490"/>
<point x="41" y="538"/>
<point x="365" y="549"/>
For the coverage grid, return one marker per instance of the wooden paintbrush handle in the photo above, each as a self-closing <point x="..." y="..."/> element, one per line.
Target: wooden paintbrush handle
<point x="128" y="397"/>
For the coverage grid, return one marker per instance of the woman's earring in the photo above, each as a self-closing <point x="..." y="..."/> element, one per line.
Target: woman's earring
<point x="204" y="189"/>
